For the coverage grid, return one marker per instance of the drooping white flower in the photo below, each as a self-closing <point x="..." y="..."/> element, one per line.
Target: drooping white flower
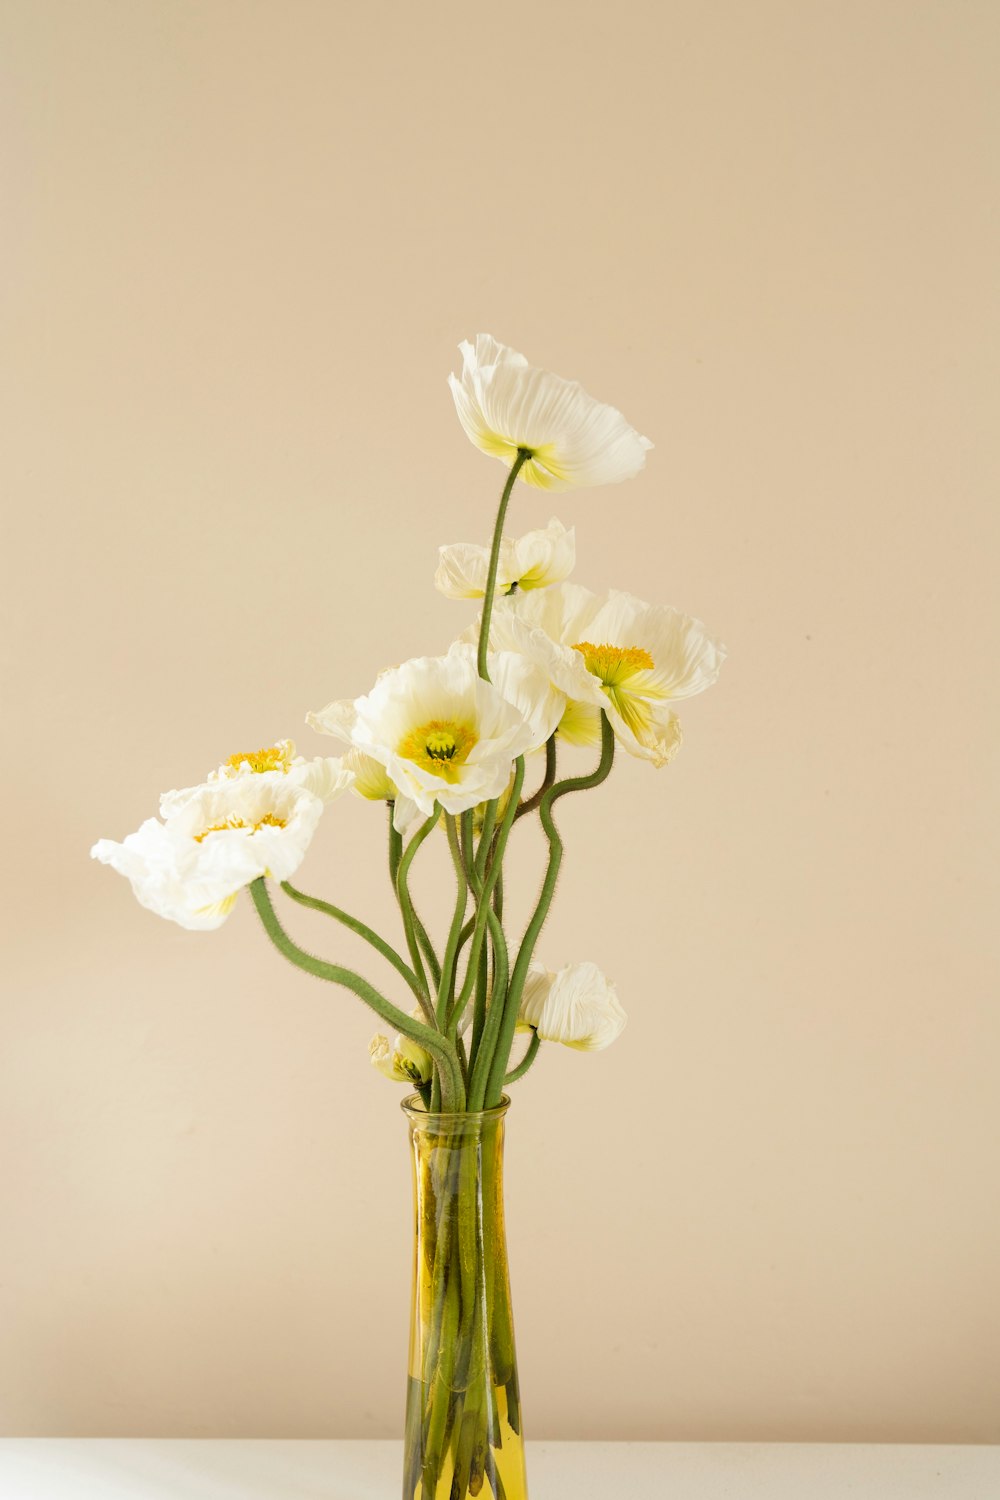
<point x="615" y="652"/>
<point x="534" y="561"/>
<point x="326" y="776"/>
<point x="442" y="733"/>
<point x="403" y="1060"/>
<point x="505" y="404"/>
<point x="577" y="1006"/>
<point x="191" y="867"/>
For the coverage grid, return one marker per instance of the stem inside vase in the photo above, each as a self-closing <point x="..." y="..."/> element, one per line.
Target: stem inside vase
<point x="463" y="1413"/>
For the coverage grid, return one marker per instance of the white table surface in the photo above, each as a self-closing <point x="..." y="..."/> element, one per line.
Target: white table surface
<point x="237" y="1469"/>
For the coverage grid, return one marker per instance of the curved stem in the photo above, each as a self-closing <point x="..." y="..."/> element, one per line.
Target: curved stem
<point x="440" y="1049"/>
<point x="406" y="905"/>
<point x="426" y="946"/>
<point x="420" y="931"/>
<point x="538" y="916"/>
<point x="530" y="1053"/>
<point x="482" y="1068"/>
<point x="532" y="802"/>
<point x="362" y="929"/>
<point x="523" y="454"/>
<point x="486" y="837"/>
<point x="446" y="987"/>
<point x="483" y="892"/>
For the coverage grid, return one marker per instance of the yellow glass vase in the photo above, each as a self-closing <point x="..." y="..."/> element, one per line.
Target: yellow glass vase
<point x="463" y="1411"/>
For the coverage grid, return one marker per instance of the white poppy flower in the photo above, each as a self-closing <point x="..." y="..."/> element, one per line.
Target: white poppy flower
<point x="615" y="652"/>
<point x="191" y="867"/>
<point x="505" y="404"/>
<point x="326" y="776"/>
<point x="525" y="685"/>
<point x="442" y="733"/>
<point x="577" y="1006"/>
<point x="404" y="1061"/>
<point x="533" y="561"/>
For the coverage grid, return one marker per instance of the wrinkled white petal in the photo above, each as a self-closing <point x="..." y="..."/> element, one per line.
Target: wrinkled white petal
<point x="505" y="404"/>
<point x="442" y="696"/>
<point x="577" y="1006"/>
<point x="336" y="718"/>
<point x="327" y="777"/>
<point x="534" y="561"/>
<point x="612" y="652"/>
<point x="190" y="867"/>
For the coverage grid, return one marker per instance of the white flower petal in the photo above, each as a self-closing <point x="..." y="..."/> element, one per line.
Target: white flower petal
<point x="534" y="561"/>
<point x="439" y="695"/>
<point x="190" y="867"/>
<point x="612" y="652"/>
<point x="402" y="1060"/>
<point x="578" y="1007"/>
<point x="326" y="777"/>
<point x="505" y="404"/>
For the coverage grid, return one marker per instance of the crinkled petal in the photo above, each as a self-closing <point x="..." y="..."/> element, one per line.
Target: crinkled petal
<point x="504" y="404"/>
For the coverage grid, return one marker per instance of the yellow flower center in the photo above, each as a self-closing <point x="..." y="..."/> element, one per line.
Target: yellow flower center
<point x="269" y="820"/>
<point x="619" y="670"/>
<point x="271" y="758"/>
<point x="614" y="664"/>
<point x="441" y="746"/>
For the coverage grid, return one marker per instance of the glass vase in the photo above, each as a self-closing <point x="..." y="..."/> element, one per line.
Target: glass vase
<point x="463" y="1411"/>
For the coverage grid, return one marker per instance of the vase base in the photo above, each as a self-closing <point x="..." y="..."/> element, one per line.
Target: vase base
<point x="484" y="1452"/>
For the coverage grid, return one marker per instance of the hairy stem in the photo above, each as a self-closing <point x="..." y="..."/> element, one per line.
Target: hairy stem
<point x="406" y="904"/>
<point x="439" y="1047"/>
<point x="530" y="1053"/>
<point x="523" y="454"/>
<point x="363" y="930"/>
<point x="526" y="951"/>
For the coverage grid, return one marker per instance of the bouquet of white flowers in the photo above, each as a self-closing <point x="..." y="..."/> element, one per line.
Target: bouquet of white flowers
<point x="445" y="743"/>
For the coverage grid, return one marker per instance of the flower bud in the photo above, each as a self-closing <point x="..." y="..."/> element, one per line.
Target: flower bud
<point x="405" y="1061"/>
<point x="578" y="1007"/>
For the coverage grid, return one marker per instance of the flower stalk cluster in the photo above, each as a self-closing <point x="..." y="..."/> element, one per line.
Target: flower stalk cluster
<point x="460" y="747"/>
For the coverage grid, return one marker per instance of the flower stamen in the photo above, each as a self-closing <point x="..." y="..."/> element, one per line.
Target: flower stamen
<point x="614" y="664"/>
<point x="441" y="746"/>
<point x="619" y="669"/>
<point x="269" y="820"/>
<point x="270" y="758"/>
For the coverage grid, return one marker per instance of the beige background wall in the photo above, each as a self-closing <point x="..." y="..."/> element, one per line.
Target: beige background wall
<point x="241" y="242"/>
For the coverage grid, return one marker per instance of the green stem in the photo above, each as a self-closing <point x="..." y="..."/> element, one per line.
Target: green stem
<point x="419" y="930"/>
<point x="438" y="1046"/>
<point x="492" y="1030"/>
<point x="426" y="947"/>
<point x="530" y="1053"/>
<point x="362" y="929"/>
<point x="395" y="847"/>
<point x="486" y="837"/>
<point x="527" y="948"/>
<point x="483" y="892"/>
<point x="523" y="454"/>
<point x="532" y="802"/>
<point x="406" y="904"/>
<point x="446" y="988"/>
<point x="482" y="980"/>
